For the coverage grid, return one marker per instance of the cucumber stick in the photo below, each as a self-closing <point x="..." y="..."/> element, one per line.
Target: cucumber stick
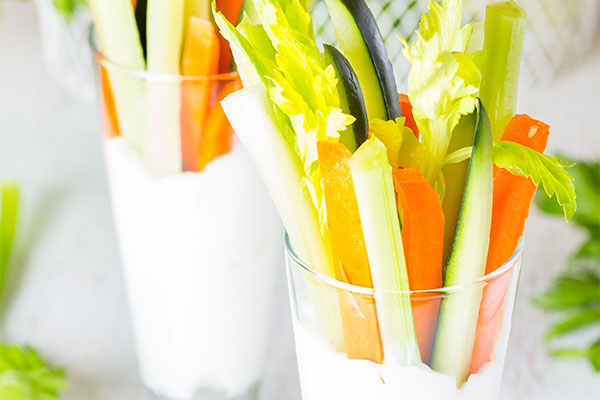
<point x="459" y="311"/>
<point x="116" y="30"/>
<point x="505" y="24"/>
<point x="360" y="39"/>
<point x="162" y="148"/>
<point x="251" y="115"/>
<point x="372" y="177"/>
<point x="352" y="101"/>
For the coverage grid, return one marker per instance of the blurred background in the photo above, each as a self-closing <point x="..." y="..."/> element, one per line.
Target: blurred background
<point x="69" y="301"/>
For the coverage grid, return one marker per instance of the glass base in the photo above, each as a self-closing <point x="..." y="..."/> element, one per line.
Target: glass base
<point x="250" y="394"/>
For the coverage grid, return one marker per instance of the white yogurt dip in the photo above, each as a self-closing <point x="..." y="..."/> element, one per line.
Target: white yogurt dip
<point x="200" y="253"/>
<point x="326" y="375"/>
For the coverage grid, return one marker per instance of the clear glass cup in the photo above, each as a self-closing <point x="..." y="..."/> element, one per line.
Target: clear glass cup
<point x="328" y="371"/>
<point x="197" y="231"/>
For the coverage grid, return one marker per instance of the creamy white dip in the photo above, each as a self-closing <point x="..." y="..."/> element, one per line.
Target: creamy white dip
<point x="326" y="374"/>
<point x="200" y="253"/>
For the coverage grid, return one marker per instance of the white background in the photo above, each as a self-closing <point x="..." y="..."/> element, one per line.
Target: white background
<point x="71" y="304"/>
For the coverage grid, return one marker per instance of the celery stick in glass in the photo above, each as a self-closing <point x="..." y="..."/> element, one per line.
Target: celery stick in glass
<point x="162" y="148"/>
<point x="119" y="41"/>
<point x="251" y="116"/>
<point x="505" y="24"/>
<point x="372" y="177"/>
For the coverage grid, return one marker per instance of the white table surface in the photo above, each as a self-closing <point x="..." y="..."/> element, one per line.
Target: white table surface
<point x="70" y="303"/>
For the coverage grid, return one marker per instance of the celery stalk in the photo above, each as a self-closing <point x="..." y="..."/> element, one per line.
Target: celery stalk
<point x="505" y="24"/>
<point x="119" y="39"/>
<point x="162" y="148"/>
<point x="372" y="176"/>
<point x="195" y="8"/>
<point x="251" y="115"/>
<point x="9" y="205"/>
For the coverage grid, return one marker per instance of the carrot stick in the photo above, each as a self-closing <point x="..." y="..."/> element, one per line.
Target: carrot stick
<point x="512" y="199"/>
<point x="200" y="58"/>
<point x="231" y="9"/>
<point x="107" y="108"/>
<point x="359" y="318"/>
<point x="406" y="108"/>
<point x="217" y="136"/>
<point x="423" y="240"/>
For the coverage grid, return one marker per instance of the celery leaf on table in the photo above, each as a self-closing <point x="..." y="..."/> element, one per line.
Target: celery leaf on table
<point x="24" y="375"/>
<point x="443" y="82"/>
<point x="575" y="295"/>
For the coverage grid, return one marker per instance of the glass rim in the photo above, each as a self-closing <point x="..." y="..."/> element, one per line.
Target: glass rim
<point x="348" y="287"/>
<point x="102" y="59"/>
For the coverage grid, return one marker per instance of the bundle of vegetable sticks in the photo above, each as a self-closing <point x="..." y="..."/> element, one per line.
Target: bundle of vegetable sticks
<point x="395" y="192"/>
<point x="174" y="125"/>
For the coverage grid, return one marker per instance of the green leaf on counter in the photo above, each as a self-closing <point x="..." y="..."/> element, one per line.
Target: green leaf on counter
<point x="25" y="376"/>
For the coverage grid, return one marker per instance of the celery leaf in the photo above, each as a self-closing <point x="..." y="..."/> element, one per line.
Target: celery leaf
<point x="444" y="81"/>
<point x="403" y="148"/>
<point x="24" y="375"/>
<point x="544" y="170"/>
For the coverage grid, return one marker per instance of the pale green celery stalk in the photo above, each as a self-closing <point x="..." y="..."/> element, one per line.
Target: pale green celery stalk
<point x="459" y="310"/>
<point x="505" y="24"/>
<point x="251" y="115"/>
<point x="162" y="149"/>
<point x="9" y="205"/>
<point x="372" y="177"/>
<point x="119" y="40"/>
<point x="455" y="176"/>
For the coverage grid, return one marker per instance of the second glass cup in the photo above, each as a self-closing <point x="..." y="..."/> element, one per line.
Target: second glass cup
<point x="198" y="234"/>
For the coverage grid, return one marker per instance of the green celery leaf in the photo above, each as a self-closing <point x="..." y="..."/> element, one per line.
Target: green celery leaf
<point x="580" y="319"/>
<point x="592" y="353"/>
<point x="403" y="148"/>
<point x="444" y="81"/>
<point x="67" y="8"/>
<point x="572" y="289"/>
<point x="544" y="170"/>
<point x="24" y="375"/>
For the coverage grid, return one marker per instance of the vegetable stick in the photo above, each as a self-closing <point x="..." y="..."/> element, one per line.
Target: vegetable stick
<point x="423" y="240"/>
<point x="408" y="114"/>
<point x="107" y="106"/>
<point x="361" y="329"/>
<point x="162" y="149"/>
<point x="512" y="198"/>
<point x="231" y="9"/>
<point x="505" y="25"/>
<point x="195" y="8"/>
<point x="217" y="135"/>
<point x="200" y="58"/>
<point x="252" y="117"/>
<point x="118" y="37"/>
<point x="374" y="187"/>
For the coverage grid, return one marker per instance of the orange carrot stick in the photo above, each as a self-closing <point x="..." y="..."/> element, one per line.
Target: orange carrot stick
<point x="217" y="136"/>
<point x="359" y="318"/>
<point x="406" y="108"/>
<point x="108" y="110"/>
<point x="200" y="58"/>
<point x="423" y="242"/>
<point x="231" y="10"/>
<point x="512" y="199"/>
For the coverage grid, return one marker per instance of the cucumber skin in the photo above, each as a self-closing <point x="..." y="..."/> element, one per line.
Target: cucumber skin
<point x="373" y="40"/>
<point x="459" y="310"/>
<point x="350" y="91"/>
